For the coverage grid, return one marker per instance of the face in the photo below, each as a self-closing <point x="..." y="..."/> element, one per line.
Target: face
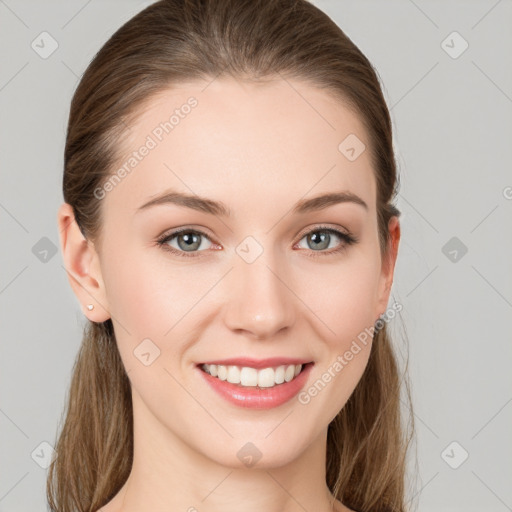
<point x="272" y="276"/>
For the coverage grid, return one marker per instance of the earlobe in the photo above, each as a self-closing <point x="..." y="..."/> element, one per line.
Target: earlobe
<point x="82" y="266"/>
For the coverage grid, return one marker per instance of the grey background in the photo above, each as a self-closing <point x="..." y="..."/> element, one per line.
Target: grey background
<point x="453" y="133"/>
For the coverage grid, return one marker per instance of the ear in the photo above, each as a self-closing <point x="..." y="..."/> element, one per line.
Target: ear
<point x="388" y="266"/>
<point x="82" y="266"/>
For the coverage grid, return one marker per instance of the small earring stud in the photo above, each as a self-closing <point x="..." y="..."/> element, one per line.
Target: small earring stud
<point x="90" y="307"/>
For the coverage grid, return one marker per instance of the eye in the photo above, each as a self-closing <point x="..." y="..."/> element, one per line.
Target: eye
<point x="320" y="238"/>
<point x="188" y="240"/>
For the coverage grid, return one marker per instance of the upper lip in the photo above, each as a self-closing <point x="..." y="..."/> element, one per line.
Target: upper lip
<point x="258" y="363"/>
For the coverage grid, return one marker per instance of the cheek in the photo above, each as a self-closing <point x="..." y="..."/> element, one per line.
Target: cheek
<point x="149" y="296"/>
<point x="154" y="298"/>
<point x="343" y="299"/>
<point x="342" y="296"/>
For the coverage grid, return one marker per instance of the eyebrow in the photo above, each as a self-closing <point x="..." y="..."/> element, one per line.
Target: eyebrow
<point x="218" y="208"/>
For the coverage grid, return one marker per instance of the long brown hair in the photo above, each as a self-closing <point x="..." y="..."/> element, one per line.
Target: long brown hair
<point x="182" y="40"/>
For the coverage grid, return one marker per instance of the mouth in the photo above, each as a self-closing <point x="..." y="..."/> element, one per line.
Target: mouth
<point x="251" y="377"/>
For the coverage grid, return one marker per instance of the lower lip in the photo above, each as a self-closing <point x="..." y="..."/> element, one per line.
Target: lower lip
<point x="255" y="397"/>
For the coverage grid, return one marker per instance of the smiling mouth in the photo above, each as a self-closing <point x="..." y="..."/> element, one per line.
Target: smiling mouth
<point x="246" y="376"/>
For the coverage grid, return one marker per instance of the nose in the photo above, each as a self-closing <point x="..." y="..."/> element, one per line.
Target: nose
<point x="260" y="303"/>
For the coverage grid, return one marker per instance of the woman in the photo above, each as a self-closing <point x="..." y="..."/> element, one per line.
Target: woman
<point x="228" y="228"/>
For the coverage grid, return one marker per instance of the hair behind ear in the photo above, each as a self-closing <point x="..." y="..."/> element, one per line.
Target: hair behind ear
<point x="95" y="448"/>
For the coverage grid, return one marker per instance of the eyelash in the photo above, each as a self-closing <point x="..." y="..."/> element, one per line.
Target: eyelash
<point x="348" y="239"/>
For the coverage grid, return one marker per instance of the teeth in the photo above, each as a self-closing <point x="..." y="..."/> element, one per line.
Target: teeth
<point x="249" y="377"/>
<point x="222" y="372"/>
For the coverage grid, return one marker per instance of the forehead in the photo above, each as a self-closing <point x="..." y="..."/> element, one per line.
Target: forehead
<point x="234" y="141"/>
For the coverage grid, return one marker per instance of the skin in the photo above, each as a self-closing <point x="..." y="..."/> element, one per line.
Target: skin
<point x="259" y="148"/>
